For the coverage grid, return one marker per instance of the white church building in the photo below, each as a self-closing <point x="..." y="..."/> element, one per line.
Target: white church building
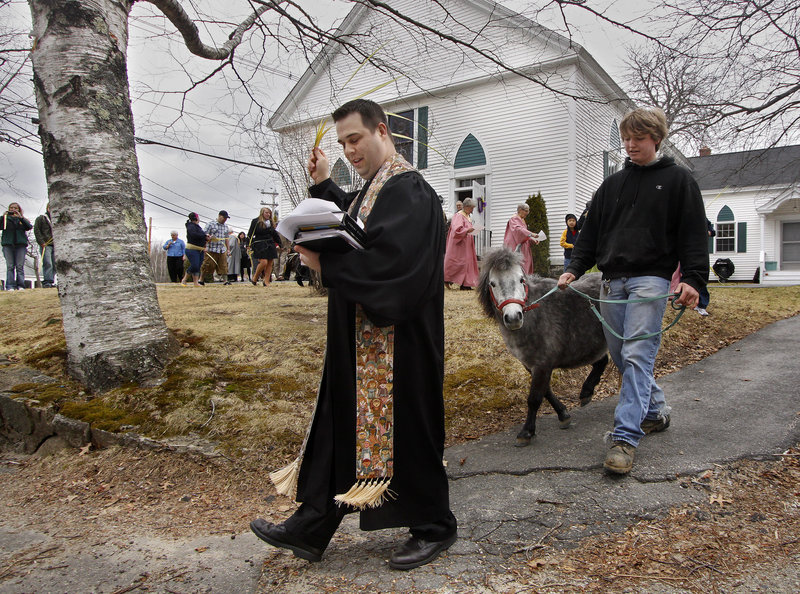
<point x="479" y="130"/>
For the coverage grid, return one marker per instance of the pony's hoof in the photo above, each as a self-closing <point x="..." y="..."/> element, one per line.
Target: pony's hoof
<point x="565" y="422"/>
<point x="523" y="440"/>
<point x="586" y="400"/>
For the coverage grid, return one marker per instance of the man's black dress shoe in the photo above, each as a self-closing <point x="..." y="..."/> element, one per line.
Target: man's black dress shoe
<point x="278" y="536"/>
<point x="416" y="552"/>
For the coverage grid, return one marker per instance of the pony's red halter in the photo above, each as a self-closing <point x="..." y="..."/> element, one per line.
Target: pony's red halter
<point x="520" y="302"/>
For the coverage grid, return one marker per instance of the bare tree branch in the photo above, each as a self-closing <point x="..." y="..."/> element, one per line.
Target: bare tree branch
<point x="173" y="10"/>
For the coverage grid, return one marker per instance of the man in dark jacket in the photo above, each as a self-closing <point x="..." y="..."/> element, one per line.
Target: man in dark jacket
<point x="377" y="436"/>
<point x="43" y="232"/>
<point x="643" y="221"/>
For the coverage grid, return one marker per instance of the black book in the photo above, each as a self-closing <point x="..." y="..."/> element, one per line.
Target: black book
<point x="328" y="240"/>
<point x="321" y="227"/>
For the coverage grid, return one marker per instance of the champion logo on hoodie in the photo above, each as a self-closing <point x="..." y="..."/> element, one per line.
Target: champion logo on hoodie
<point x="659" y="187"/>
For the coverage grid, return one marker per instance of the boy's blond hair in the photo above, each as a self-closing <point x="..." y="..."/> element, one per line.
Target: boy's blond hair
<point x="643" y="121"/>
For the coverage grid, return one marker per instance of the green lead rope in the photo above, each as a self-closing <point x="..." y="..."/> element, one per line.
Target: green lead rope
<point x="680" y="309"/>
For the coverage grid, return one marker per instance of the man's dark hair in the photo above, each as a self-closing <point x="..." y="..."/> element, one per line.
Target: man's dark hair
<point x="372" y="114"/>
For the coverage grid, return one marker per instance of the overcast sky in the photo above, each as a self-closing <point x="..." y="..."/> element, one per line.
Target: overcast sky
<point x="160" y="68"/>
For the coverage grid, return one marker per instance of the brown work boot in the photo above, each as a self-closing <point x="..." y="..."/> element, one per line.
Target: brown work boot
<point x="619" y="458"/>
<point x="655" y="425"/>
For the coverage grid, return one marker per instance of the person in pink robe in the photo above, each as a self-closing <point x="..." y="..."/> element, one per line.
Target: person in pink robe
<point x="518" y="237"/>
<point x="460" y="260"/>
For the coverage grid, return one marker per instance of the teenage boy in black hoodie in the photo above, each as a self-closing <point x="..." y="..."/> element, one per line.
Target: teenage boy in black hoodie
<point x="643" y="221"/>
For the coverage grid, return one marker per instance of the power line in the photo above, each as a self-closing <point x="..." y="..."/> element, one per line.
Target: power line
<point x="184" y="112"/>
<point x="185" y="172"/>
<point x="176" y="193"/>
<point x="238" y="162"/>
<point x="183" y="214"/>
<point x="172" y="203"/>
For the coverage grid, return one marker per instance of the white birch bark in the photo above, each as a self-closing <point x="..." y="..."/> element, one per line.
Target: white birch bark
<point x="114" y="328"/>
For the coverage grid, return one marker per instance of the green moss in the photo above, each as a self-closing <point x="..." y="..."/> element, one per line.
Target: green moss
<point x="240" y="391"/>
<point x="283" y="384"/>
<point x="59" y="350"/>
<point x="45" y="393"/>
<point x="174" y="381"/>
<point x="494" y="385"/>
<point x="101" y="414"/>
<point x="19" y="388"/>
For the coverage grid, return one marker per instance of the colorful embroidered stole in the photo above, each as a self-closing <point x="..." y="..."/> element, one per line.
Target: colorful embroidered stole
<point x="374" y="390"/>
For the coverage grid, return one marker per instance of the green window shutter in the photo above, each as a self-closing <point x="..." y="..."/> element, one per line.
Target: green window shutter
<point x="710" y="245"/>
<point x="605" y="164"/>
<point x="422" y="138"/>
<point x="741" y="238"/>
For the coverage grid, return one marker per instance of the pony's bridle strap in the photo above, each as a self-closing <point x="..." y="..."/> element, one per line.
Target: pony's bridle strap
<point x="520" y="302"/>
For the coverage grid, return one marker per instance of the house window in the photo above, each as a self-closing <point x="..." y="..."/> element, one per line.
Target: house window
<point x="612" y="162"/>
<point x="790" y="246"/>
<point x="726" y="237"/>
<point x="612" y="158"/>
<point x="402" y="126"/>
<point x="613" y="139"/>
<point x="731" y="236"/>
<point x="410" y="130"/>
<point x="340" y="174"/>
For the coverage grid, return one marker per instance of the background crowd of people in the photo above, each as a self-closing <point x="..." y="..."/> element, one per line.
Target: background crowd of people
<point x="15" y="228"/>
<point x="218" y="250"/>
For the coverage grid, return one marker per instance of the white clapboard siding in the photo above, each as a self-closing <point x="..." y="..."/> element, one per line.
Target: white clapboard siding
<point x="535" y="139"/>
<point x="426" y="61"/>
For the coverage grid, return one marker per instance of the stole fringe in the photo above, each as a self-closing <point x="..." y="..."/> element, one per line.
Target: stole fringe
<point x="285" y="479"/>
<point x="366" y="493"/>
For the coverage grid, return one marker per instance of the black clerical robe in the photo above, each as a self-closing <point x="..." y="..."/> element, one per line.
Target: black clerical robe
<point x="397" y="279"/>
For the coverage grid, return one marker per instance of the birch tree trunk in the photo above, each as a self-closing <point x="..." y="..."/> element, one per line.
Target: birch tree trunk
<point x="115" y="332"/>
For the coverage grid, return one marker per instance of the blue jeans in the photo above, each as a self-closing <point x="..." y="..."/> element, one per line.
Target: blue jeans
<point x="195" y="258"/>
<point x="48" y="266"/>
<point x="566" y="262"/>
<point x="640" y="397"/>
<point x="705" y="298"/>
<point x="15" y="266"/>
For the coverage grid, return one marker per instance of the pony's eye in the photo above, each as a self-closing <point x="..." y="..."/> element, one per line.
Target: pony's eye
<point x="522" y="280"/>
<point x="492" y="283"/>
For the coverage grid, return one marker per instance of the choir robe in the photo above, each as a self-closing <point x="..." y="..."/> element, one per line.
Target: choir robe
<point x="517" y="234"/>
<point x="398" y="280"/>
<point x="460" y="261"/>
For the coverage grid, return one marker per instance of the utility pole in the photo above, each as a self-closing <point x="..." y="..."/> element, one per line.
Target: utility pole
<point x="274" y="194"/>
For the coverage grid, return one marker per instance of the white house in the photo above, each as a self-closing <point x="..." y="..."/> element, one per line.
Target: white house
<point x="753" y="199"/>
<point x="480" y="130"/>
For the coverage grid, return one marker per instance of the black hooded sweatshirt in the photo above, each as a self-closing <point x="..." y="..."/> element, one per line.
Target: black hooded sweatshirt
<point x="643" y="221"/>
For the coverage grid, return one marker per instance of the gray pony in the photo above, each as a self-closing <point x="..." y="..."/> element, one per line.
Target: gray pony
<point x="559" y="332"/>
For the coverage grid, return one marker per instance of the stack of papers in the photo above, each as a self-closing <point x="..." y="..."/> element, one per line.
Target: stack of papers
<point x="320" y="226"/>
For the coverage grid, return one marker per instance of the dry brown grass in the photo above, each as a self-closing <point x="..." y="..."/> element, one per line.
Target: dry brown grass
<point x="253" y="358"/>
<point x="257" y="354"/>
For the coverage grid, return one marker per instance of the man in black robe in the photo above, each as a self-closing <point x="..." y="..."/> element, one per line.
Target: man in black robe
<point x="397" y="280"/>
